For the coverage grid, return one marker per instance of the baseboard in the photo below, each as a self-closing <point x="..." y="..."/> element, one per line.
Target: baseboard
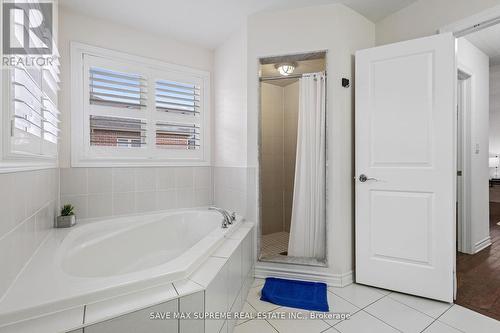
<point x="482" y="244"/>
<point x="333" y="280"/>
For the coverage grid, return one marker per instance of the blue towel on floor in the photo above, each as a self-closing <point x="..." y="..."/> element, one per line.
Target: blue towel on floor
<point x="295" y="294"/>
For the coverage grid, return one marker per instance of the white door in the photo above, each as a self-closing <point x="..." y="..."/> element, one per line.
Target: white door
<point x="405" y="146"/>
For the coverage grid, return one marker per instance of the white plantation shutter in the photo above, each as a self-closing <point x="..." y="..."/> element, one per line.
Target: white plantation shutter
<point x="33" y="94"/>
<point x="27" y="100"/>
<point x="117" y="89"/>
<point x="178" y="114"/>
<point x="177" y="97"/>
<point x="34" y="113"/>
<point x="51" y="121"/>
<point x="116" y="105"/>
<point x="114" y="132"/>
<point x="138" y="113"/>
<point x="177" y="136"/>
<point x="50" y="86"/>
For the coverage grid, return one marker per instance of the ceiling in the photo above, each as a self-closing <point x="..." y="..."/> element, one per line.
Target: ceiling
<point x="208" y="23"/>
<point x="488" y="40"/>
<point x="376" y="10"/>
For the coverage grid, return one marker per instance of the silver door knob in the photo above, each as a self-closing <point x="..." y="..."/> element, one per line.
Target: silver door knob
<point x="363" y="178"/>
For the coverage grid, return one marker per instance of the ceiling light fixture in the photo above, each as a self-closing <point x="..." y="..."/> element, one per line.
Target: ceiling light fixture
<point x="286" y="68"/>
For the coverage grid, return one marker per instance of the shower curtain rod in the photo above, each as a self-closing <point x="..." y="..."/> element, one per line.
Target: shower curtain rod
<point x="270" y="78"/>
<point x="295" y="76"/>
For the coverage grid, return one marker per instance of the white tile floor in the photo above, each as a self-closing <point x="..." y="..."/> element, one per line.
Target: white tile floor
<point x="372" y="310"/>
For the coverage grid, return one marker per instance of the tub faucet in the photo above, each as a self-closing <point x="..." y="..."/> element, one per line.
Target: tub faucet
<point x="227" y="217"/>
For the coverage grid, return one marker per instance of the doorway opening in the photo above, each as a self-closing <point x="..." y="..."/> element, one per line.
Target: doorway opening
<point x="407" y="155"/>
<point x="478" y="183"/>
<point x="292" y="159"/>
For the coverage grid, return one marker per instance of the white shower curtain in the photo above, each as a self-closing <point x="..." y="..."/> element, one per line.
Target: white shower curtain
<point x="307" y="229"/>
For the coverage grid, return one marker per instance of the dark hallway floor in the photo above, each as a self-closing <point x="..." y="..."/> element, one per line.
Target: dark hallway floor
<point x="478" y="275"/>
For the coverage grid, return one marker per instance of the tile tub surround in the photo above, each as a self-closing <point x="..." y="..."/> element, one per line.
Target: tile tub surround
<point x="28" y="206"/>
<point x="219" y="284"/>
<point x="230" y="188"/>
<point x="74" y="267"/>
<point x="101" y="192"/>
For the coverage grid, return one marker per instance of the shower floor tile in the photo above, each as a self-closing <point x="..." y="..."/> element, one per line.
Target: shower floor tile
<point x="275" y="244"/>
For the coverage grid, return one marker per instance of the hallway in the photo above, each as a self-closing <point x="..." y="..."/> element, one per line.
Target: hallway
<point x="478" y="275"/>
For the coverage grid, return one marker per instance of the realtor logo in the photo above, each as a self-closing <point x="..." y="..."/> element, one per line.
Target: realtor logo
<point x="27" y="28"/>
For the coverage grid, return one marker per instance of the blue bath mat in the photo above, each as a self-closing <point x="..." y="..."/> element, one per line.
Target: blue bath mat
<point x="295" y="294"/>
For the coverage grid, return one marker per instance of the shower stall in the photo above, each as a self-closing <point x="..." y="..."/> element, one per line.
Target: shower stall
<point x="293" y="158"/>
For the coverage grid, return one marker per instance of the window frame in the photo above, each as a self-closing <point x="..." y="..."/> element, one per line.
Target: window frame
<point x="84" y="155"/>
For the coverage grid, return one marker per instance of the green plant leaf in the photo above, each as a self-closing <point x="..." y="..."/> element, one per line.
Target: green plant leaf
<point x="67" y="210"/>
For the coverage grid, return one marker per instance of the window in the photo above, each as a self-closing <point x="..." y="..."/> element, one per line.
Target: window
<point x="177" y="97"/>
<point x="30" y="129"/>
<point x="33" y="112"/>
<point x="177" y="136"/>
<point x="116" y="89"/>
<point x="113" y="132"/>
<point x="129" y="110"/>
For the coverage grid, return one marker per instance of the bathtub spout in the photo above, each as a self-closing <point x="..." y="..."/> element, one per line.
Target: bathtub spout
<point x="226" y="216"/>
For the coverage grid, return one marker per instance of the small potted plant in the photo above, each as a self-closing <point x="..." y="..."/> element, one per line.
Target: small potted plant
<point x="67" y="218"/>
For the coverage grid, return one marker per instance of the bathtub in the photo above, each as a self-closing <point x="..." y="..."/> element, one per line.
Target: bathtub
<point x="98" y="259"/>
<point x="162" y="244"/>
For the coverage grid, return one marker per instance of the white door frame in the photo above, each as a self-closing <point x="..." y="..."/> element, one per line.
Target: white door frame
<point x="464" y="224"/>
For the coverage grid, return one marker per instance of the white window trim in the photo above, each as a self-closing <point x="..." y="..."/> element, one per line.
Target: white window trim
<point x="11" y="161"/>
<point x="79" y="151"/>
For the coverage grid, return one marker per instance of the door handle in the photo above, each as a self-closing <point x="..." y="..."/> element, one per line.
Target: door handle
<point x="364" y="178"/>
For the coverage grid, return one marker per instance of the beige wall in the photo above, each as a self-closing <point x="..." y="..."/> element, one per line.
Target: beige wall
<point x="272" y="179"/>
<point x="425" y="17"/>
<point x="279" y="107"/>
<point x="291" y="120"/>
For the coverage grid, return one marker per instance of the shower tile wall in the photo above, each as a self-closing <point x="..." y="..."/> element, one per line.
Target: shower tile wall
<point x="279" y="129"/>
<point x="272" y="178"/>
<point x="291" y="121"/>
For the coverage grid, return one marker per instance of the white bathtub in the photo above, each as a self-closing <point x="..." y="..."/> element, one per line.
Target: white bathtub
<point x="100" y="259"/>
<point x="135" y="245"/>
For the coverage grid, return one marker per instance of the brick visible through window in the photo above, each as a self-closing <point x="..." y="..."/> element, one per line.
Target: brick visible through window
<point x="116" y="132"/>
